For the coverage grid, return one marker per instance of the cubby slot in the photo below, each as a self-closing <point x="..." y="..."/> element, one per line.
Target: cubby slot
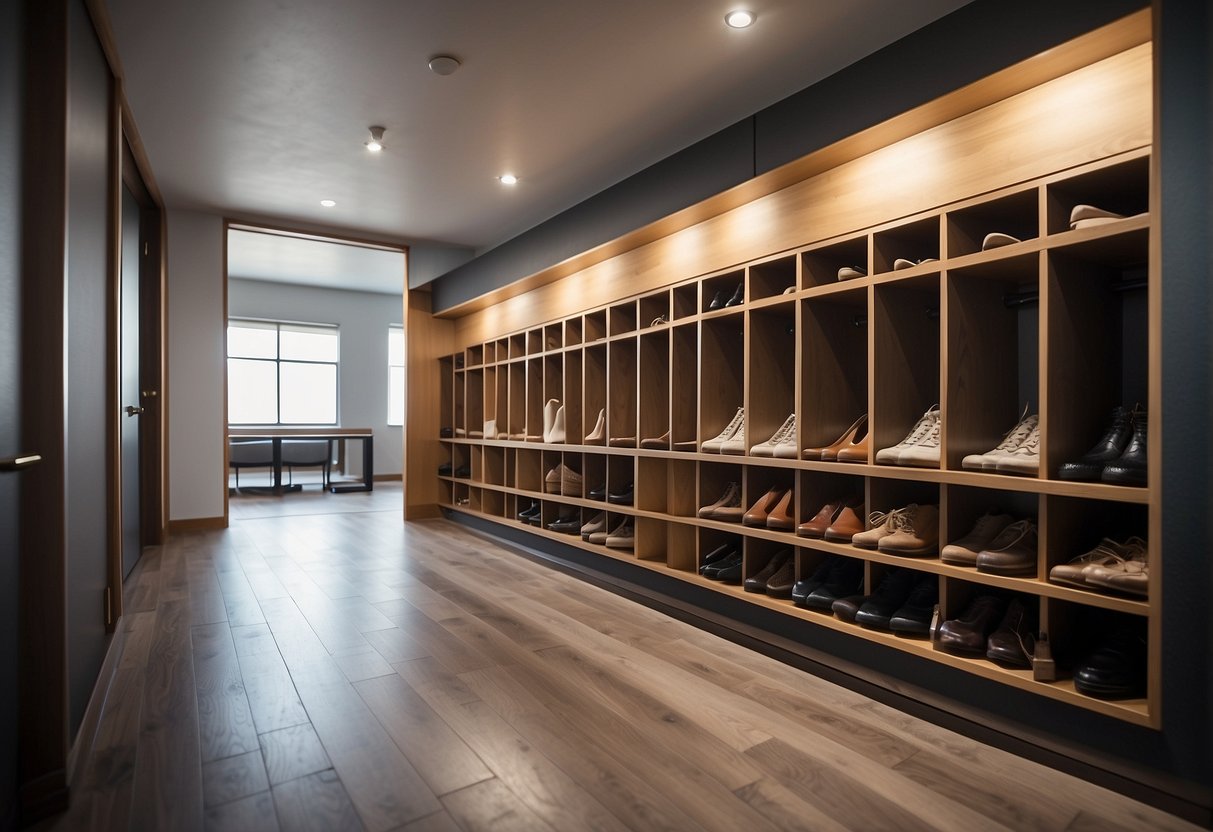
<point x="818" y="489"/>
<point x="1076" y="631"/>
<point x="572" y="396"/>
<point x="910" y="243"/>
<point x="501" y="410"/>
<point x="492" y="503"/>
<point x="760" y="481"/>
<point x="655" y="310"/>
<point x="594" y="389"/>
<point x="1121" y="189"/>
<point x="723" y="289"/>
<point x="553" y="337"/>
<point x="963" y="507"/>
<point x="906" y="359"/>
<point x="476" y="355"/>
<point x="686" y="300"/>
<point x="1074" y="526"/>
<point x="680" y="489"/>
<point x="993" y="378"/>
<point x="553" y="383"/>
<point x="594" y="477"/>
<point x="475" y="402"/>
<point x="460" y="417"/>
<point x="680" y="547"/>
<point x="494" y="466"/>
<point x="958" y="595"/>
<point x="652" y="539"/>
<point x="534" y="400"/>
<point x="771" y="371"/>
<point x="621" y="479"/>
<point x="655" y="388"/>
<point x="623" y="318"/>
<point x="834" y="355"/>
<point x="534" y="341"/>
<point x="1097" y="337"/>
<point x="714" y="482"/>
<point x="528" y="475"/>
<point x="684" y="391"/>
<point x="490" y="403"/>
<point x="518" y="345"/>
<point x="759" y="552"/>
<point x="595" y="326"/>
<point x="709" y="540"/>
<point x="621" y="386"/>
<point x="516" y="423"/>
<point x="885" y="495"/>
<point x="459" y="495"/>
<point x="1015" y="214"/>
<point x="572" y="332"/>
<point x="820" y="266"/>
<point x="446" y="395"/>
<point x="490" y="352"/>
<point x="477" y="460"/>
<point x="652" y="485"/>
<point x="722" y="373"/>
<point x="772" y="278"/>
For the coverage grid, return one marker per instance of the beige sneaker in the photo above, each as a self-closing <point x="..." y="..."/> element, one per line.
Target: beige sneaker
<point x="735" y="444"/>
<point x="925" y="452"/>
<point x="917" y="532"/>
<point x="712" y="446"/>
<point x="1025" y="459"/>
<point x="1129" y="573"/>
<point x="926" y="423"/>
<point x="883" y="524"/>
<point x="989" y="460"/>
<point x="782" y="444"/>
<point x="730" y="497"/>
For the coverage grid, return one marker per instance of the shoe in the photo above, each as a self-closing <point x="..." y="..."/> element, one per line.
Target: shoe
<point x="929" y="422"/>
<point x="758" y="581"/>
<point x="849" y="448"/>
<point x="598" y="493"/>
<point x="1025" y="459"/>
<point x="852" y="272"/>
<point x="845" y="609"/>
<point x="1107" y="556"/>
<point x="624" y="536"/>
<point x="780" y="518"/>
<point x="917" y="533"/>
<point x="599" y="538"/>
<point x="460" y="432"/>
<point x="444" y="470"/>
<point x="731" y="497"/>
<point x="1014" y="642"/>
<point x="816" y="527"/>
<point x="552" y="481"/>
<point x="597" y="523"/>
<point x="846" y="525"/>
<point x="1130" y="469"/>
<point x="1014" y="438"/>
<point x="845" y="578"/>
<point x="848" y="436"/>
<point x="782" y="444"/>
<point x="1116" y="669"/>
<point x="963" y="552"/>
<point x="802" y="589"/>
<point x="622" y="442"/>
<point x="622" y="497"/>
<point x="997" y="239"/>
<point x="914" y="616"/>
<point x="780" y="584"/>
<point x="475" y="434"/>
<point x="712" y="446"/>
<point x="1013" y="553"/>
<point x="530" y="513"/>
<point x="882" y="524"/>
<point x="571" y="483"/>
<point x="757" y="515"/>
<point x="445" y="433"/>
<point x="925" y="452"/>
<point x="730" y="561"/>
<point x="660" y="443"/>
<point x="856" y="451"/>
<point x="566" y="523"/>
<point x="718" y="554"/>
<point x="969" y="634"/>
<point x="894" y="590"/>
<point x="1086" y="216"/>
<point x="735" y="444"/>
<point x="549" y="418"/>
<point x="490" y="429"/>
<point x="1107" y="450"/>
<point x="463" y="472"/>
<point x="738" y="296"/>
<point x="719" y="300"/>
<point x="903" y="263"/>
<point x="598" y="435"/>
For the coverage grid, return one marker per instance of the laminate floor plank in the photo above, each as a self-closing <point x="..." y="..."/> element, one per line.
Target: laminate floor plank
<point x="359" y="665"/>
<point x="437" y="822"/>
<point x="239" y="598"/>
<point x="250" y="814"/>
<point x="433" y="639"/>
<point x="787" y="810"/>
<point x="491" y="807"/>
<point x="225" y="720"/>
<point x="316" y="803"/>
<point x="233" y="778"/>
<point x="271" y="693"/>
<point x="293" y="752"/>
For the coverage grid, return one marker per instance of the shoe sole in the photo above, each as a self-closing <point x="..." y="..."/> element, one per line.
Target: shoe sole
<point x="1012" y="659"/>
<point x="1008" y="572"/>
<point x="926" y="550"/>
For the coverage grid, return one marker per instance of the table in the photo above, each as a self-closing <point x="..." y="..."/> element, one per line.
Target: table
<point x="276" y="435"/>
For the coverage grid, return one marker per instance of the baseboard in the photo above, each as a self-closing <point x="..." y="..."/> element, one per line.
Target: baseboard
<point x="196" y="524"/>
<point x="388" y="477"/>
<point x="422" y="511"/>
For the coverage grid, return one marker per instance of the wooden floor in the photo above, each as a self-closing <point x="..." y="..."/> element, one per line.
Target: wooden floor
<point x="345" y="670"/>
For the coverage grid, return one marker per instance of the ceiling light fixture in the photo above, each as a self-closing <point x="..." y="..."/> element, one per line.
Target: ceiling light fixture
<point x="508" y="179"/>
<point x="327" y="203"/>
<point x="740" y="18"/>
<point x="443" y="65"/>
<point x="376" y="141"/>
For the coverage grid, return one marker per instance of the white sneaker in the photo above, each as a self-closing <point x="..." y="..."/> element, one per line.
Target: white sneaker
<point x="1025" y="459"/>
<point x="735" y="444"/>
<point x="712" y="446"/>
<point x="925" y="452"/>
<point x="784" y="440"/>
<point x="928" y="422"/>
<point x="1014" y="438"/>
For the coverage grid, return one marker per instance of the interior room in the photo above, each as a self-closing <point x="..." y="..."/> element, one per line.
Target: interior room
<point x="747" y="415"/>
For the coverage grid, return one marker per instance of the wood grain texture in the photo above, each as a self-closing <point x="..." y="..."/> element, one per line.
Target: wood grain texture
<point x="233" y="778"/>
<point x="316" y="803"/>
<point x="293" y="752"/>
<point x="225" y="720"/>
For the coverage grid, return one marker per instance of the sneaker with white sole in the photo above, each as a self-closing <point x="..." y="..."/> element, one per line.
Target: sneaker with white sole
<point x="712" y="446"/>
<point x="926" y="423"/>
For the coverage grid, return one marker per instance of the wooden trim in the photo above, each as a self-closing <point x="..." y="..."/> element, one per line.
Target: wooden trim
<point x="1155" y="435"/>
<point x="42" y="682"/>
<point x="113" y="426"/>
<point x="1117" y="37"/>
<point x="388" y="478"/>
<point x="196" y="524"/>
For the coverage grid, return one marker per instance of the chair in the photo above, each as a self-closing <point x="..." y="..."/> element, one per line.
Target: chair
<point x="308" y="453"/>
<point x="249" y="453"/>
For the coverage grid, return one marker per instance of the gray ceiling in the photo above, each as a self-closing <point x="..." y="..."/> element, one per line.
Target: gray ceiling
<point x="253" y="255"/>
<point x="261" y="106"/>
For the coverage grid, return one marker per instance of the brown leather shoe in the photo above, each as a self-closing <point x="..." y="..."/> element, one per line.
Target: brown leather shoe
<point x="816" y="528"/>
<point x="855" y="451"/>
<point x="846" y="525"/>
<point x="781" y="517"/>
<point x="757" y="515"/>
<point x="1012" y="553"/>
<point x="659" y="443"/>
<point x="969" y="633"/>
<point x="830" y="452"/>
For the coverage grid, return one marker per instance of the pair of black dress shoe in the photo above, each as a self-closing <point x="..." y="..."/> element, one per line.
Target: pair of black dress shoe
<point x="444" y="470"/>
<point x="568" y="522"/>
<point x="903" y="602"/>
<point x="622" y="497"/>
<point x="776" y="578"/>
<point x="723" y="563"/>
<point x="531" y="515"/>
<point x="1116" y="669"/>
<point x="723" y="299"/>
<point x="463" y="471"/>
<point x="1119" y="457"/>
<point x="837" y="577"/>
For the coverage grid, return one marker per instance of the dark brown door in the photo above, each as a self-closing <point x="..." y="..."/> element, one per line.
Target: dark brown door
<point x="131" y="400"/>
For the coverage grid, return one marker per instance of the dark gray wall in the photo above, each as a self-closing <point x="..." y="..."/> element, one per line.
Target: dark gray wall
<point x="86" y="442"/>
<point x="11" y="79"/>
<point x="965" y="46"/>
<point x="962" y="47"/>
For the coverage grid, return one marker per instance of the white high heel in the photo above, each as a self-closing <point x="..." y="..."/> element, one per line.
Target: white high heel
<point x="598" y="435"/>
<point x="557" y="435"/>
<point x="549" y="418"/>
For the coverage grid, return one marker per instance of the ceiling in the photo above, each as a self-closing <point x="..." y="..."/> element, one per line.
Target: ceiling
<point x="254" y="255"/>
<point x="261" y="107"/>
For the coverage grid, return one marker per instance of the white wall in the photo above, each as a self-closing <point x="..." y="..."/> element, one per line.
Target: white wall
<point x="197" y="478"/>
<point x="364" y="319"/>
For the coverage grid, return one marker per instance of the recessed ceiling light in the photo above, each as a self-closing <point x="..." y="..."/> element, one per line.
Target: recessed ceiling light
<point x="443" y="65"/>
<point x="327" y="203"/>
<point x="739" y="18"/>
<point x="508" y="179"/>
<point x="375" y="144"/>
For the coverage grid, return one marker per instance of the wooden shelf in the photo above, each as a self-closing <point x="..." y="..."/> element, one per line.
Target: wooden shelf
<point x="1051" y="323"/>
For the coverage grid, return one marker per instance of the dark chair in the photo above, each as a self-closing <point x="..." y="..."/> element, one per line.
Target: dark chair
<point x="307" y="453"/>
<point x="249" y="453"/>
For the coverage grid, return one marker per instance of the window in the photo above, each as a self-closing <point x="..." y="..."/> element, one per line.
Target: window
<point x="395" y="375"/>
<point x="281" y="373"/>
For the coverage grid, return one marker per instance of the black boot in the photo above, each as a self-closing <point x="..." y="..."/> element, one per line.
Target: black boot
<point x="1130" y="469"/>
<point x="1107" y="450"/>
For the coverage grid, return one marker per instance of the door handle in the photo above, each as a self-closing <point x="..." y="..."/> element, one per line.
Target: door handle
<point x="131" y="410"/>
<point x="20" y="463"/>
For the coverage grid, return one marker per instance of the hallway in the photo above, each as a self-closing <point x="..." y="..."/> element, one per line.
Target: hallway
<point x="345" y="671"/>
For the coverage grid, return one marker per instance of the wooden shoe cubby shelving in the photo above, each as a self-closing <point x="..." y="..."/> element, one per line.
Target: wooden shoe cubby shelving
<point x="1061" y="321"/>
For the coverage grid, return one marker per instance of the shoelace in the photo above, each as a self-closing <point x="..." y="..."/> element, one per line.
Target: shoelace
<point x="788" y="428"/>
<point x="1105" y="552"/>
<point x="984" y="525"/>
<point x="878" y="518"/>
<point x="931" y="440"/>
<point x="1018" y="434"/>
<point x="1031" y="445"/>
<point x="732" y="426"/>
<point x="922" y="428"/>
<point x="903" y="518"/>
<point x="1019" y="529"/>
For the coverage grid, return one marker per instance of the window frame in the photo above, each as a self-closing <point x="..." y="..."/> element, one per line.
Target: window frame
<point x="278" y="361"/>
<point x="390" y="366"/>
